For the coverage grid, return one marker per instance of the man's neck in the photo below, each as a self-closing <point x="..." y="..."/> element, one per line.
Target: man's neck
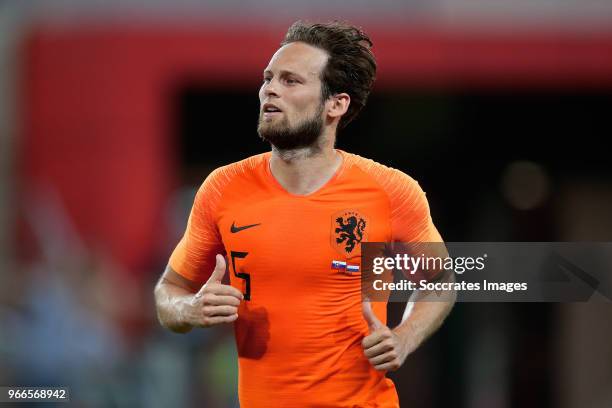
<point x="304" y="171"/>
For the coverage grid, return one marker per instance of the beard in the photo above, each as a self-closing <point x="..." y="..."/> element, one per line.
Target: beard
<point x="283" y="136"/>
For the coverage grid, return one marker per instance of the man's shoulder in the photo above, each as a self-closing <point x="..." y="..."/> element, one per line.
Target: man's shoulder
<point x="385" y="176"/>
<point x="243" y="168"/>
<point x="401" y="189"/>
<point x="233" y="176"/>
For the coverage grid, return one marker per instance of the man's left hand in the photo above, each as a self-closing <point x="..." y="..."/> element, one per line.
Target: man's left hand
<point x="384" y="348"/>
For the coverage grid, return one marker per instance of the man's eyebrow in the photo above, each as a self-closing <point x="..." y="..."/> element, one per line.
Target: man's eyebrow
<point x="283" y="72"/>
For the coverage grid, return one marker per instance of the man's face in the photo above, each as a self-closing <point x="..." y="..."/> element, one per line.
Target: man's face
<point x="291" y="110"/>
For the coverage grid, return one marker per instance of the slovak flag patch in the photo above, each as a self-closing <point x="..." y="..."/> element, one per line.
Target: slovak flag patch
<point x="344" y="267"/>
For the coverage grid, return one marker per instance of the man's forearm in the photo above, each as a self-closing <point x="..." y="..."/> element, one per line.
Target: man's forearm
<point x="169" y="301"/>
<point x="425" y="312"/>
<point x="422" y="321"/>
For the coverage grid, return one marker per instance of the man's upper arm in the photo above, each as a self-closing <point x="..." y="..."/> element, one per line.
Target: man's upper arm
<point x="194" y="256"/>
<point x="410" y="216"/>
<point x="412" y="225"/>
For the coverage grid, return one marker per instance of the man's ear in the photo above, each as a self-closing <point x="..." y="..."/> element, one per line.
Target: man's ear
<point x="338" y="105"/>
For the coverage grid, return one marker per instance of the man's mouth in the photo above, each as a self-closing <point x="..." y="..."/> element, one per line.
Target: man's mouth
<point x="270" y="110"/>
<point x="271" y="114"/>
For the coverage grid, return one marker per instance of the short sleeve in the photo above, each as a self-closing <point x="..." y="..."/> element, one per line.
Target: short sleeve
<point x="410" y="216"/>
<point x="411" y="222"/>
<point x="194" y="256"/>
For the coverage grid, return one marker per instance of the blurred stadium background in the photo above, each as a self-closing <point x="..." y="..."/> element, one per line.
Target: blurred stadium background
<point x="112" y="113"/>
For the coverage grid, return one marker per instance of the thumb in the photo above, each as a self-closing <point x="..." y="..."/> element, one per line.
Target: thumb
<point x="369" y="316"/>
<point x="219" y="272"/>
<point x="216" y="276"/>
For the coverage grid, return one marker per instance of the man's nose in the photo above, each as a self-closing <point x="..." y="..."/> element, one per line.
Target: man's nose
<point x="269" y="89"/>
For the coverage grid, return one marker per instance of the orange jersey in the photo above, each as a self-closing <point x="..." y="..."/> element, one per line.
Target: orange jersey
<point x="300" y="327"/>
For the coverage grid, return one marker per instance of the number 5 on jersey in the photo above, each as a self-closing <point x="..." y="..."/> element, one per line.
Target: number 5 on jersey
<point x="242" y="275"/>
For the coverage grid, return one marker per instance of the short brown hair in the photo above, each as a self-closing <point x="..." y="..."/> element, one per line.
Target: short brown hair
<point x="351" y="66"/>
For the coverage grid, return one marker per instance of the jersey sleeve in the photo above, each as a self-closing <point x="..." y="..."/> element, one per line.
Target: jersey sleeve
<point x="194" y="256"/>
<point x="411" y="222"/>
<point x="410" y="216"/>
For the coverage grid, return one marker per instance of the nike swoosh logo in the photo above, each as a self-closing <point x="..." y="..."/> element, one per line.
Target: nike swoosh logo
<point x="234" y="229"/>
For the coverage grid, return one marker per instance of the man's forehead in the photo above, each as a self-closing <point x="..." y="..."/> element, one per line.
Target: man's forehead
<point x="298" y="57"/>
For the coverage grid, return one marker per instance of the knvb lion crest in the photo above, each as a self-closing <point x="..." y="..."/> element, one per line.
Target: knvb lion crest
<point x="349" y="228"/>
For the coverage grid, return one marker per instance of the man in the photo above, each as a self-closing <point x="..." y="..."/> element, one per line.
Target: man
<point x="282" y="218"/>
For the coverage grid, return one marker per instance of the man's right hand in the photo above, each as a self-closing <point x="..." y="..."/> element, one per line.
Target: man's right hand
<point x="214" y="303"/>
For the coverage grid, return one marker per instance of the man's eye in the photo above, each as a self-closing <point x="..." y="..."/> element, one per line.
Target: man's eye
<point x="291" y="81"/>
<point x="267" y="79"/>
